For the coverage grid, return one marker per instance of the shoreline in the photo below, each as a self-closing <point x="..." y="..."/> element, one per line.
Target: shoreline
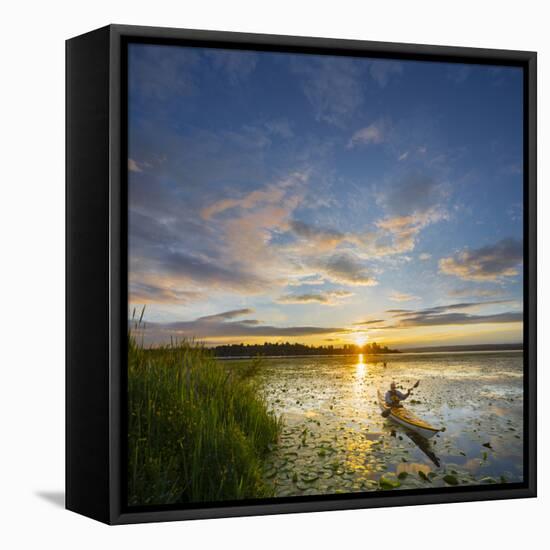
<point x="380" y="355"/>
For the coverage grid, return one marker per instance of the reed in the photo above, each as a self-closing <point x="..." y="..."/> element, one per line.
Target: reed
<point x="198" y="428"/>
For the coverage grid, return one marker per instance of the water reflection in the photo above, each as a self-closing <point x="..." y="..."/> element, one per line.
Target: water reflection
<point x="425" y="446"/>
<point x="360" y="367"/>
<point x="334" y="439"/>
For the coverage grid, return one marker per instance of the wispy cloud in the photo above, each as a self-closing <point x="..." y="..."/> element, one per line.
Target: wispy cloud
<point x="488" y="263"/>
<point x="182" y="270"/>
<point x="461" y="306"/>
<point x="271" y="194"/>
<point x="329" y="298"/>
<point x="299" y="280"/>
<point x="459" y="319"/>
<point x="225" y="315"/>
<point x="374" y="133"/>
<point x="225" y="325"/>
<point x="414" y="203"/>
<point x="133" y="166"/>
<point x="456" y="314"/>
<point x="142" y="292"/>
<point x="476" y="292"/>
<point x="370" y="322"/>
<point x="402" y="297"/>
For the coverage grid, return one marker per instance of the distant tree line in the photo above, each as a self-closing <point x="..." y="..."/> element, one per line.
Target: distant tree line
<point x="286" y="348"/>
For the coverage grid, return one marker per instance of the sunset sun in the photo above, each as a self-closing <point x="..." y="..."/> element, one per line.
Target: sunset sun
<point x="360" y="339"/>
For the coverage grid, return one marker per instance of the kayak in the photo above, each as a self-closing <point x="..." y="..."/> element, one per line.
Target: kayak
<point x="407" y="419"/>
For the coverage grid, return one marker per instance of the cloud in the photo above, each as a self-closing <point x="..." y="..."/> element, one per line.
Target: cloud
<point x="242" y="230"/>
<point x="133" y="166"/>
<point x="321" y="238"/>
<point x="300" y="280"/>
<point x="225" y="315"/>
<point x="416" y="202"/>
<point x="141" y="292"/>
<point x="224" y="325"/>
<point x="455" y="314"/>
<point x="382" y="70"/>
<point x="462" y="306"/>
<point x="269" y="195"/>
<point x="345" y="268"/>
<point x="403" y="156"/>
<point x="402" y="297"/>
<point x="375" y="133"/>
<point x="414" y="194"/>
<point x="181" y="270"/>
<point x="332" y="86"/>
<point x="399" y="234"/>
<point x="488" y="263"/>
<point x="424" y="256"/>
<point x="329" y="298"/>
<point x="372" y="322"/>
<point x="475" y="292"/>
<point x="460" y="319"/>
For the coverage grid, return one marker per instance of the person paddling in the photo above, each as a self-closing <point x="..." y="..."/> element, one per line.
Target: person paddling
<point x="394" y="397"/>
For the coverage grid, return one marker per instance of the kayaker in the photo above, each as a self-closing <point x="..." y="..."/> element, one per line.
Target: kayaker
<point x="394" y="397"/>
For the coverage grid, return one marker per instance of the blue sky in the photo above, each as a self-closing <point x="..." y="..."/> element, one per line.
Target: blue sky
<point x="326" y="200"/>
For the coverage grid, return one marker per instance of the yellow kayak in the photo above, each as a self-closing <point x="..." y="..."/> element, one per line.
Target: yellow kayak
<point x="407" y="419"/>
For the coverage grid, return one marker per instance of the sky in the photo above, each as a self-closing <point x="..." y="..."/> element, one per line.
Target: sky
<point x="324" y="200"/>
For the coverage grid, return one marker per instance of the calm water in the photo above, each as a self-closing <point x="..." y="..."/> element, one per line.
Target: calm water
<point x="335" y="439"/>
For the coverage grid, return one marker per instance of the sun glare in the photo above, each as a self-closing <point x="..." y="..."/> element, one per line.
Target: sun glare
<point x="360" y="340"/>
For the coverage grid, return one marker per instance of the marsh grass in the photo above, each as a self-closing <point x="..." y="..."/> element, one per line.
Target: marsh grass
<point x="198" y="429"/>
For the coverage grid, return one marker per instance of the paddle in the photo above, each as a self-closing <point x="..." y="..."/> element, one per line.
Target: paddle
<point x="387" y="412"/>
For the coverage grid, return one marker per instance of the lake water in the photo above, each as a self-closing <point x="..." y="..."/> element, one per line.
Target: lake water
<point x="335" y="440"/>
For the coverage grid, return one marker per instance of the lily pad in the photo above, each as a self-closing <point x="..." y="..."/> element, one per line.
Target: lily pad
<point x="423" y="476"/>
<point x="450" y="479"/>
<point x="487" y="479"/>
<point x="310" y="477"/>
<point x="389" y="483"/>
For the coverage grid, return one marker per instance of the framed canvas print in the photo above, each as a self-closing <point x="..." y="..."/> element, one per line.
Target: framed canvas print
<point x="300" y="274"/>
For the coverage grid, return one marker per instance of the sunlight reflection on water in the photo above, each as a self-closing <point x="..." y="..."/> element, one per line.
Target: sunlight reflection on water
<point x="334" y="439"/>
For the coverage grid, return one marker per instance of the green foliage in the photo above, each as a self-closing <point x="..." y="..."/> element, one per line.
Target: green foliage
<point x="198" y="430"/>
<point x="388" y="482"/>
<point x="450" y="479"/>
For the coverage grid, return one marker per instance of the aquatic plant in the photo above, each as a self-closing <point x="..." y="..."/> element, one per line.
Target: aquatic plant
<point x="198" y="430"/>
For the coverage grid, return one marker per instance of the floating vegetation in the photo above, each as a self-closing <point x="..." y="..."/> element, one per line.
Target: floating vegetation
<point x="335" y="441"/>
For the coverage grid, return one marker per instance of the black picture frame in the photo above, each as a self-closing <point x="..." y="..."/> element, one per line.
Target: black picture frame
<point x="96" y="271"/>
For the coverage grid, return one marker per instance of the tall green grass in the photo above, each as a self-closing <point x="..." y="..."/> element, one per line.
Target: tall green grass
<point x="198" y="429"/>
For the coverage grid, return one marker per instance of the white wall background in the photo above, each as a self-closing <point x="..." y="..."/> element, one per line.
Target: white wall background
<point x="32" y="271"/>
